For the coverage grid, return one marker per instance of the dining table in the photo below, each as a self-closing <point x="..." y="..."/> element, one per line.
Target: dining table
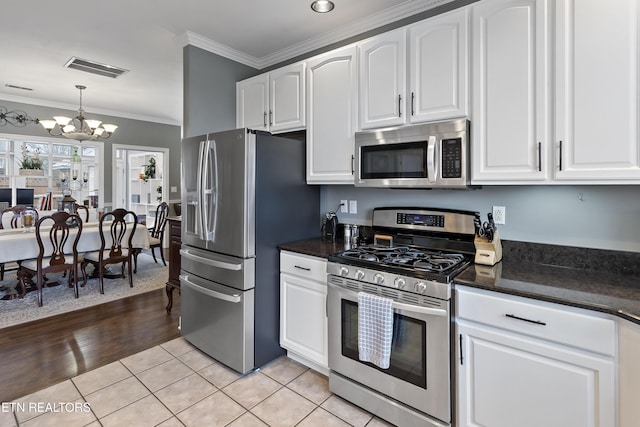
<point x="18" y="244"/>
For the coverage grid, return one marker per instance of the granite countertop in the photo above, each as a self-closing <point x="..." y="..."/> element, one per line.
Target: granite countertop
<point x="615" y="292"/>
<point x="606" y="292"/>
<point x="319" y="247"/>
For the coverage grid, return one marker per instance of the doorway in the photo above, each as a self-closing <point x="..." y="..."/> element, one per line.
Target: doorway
<point x="140" y="178"/>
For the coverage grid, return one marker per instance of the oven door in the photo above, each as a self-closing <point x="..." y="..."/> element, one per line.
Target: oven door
<point x="419" y="371"/>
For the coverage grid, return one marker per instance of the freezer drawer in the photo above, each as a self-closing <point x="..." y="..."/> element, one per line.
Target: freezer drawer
<point x="219" y="321"/>
<point x="234" y="272"/>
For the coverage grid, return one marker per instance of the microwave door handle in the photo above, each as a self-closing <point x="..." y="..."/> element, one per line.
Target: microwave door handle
<point x="431" y="159"/>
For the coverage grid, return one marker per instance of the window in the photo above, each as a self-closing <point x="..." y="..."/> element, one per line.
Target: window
<point x="54" y="158"/>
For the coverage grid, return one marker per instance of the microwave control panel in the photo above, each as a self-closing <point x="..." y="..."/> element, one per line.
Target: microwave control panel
<point x="452" y="158"/>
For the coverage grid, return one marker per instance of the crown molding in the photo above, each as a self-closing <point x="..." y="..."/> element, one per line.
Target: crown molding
<point x="90" y="110"/>
<point x="354" y="28"/>
<point x="195" y="39"/>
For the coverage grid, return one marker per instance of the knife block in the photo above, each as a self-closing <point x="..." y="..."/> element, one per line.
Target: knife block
<point x="488" y="253"/>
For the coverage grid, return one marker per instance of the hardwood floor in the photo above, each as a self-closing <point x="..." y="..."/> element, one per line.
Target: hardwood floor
<point x="38" y="354"/>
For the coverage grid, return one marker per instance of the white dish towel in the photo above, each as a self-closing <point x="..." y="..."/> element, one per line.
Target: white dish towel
<point x="375" y="329"/>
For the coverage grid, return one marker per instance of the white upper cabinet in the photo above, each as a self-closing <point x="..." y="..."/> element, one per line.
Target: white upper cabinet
<point x="273" y="101"/>
<point x="596" y="96"/>
<point x="438" y="67"/>
<point x="555" y="105"/>
<point x="332" y="97"/>
<point x="510" y="115"/>
<point x="252" y="102"/>
<point x="383" y="72"/>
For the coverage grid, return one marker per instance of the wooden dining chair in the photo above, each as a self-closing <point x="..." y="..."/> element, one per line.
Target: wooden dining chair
<point x="156" y="235"/>
<point x="84" y="208"/>
<point x="52" y="258"/>
<point x="120" y="225"/>
<point x="14" y="222"/>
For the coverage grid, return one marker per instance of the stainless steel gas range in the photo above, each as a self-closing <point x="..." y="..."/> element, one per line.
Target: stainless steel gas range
<point x="416" y="254"/>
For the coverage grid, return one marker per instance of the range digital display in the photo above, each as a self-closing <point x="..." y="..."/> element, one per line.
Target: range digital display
<point x="421" y="219"/>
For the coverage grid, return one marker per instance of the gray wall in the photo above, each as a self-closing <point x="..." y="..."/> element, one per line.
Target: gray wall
<point x="129" y="132"/>
<point x="210" y="91"/>
<point x="606" y="217"/>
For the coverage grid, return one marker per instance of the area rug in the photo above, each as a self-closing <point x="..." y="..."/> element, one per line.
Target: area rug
<point x="60" y="299"/>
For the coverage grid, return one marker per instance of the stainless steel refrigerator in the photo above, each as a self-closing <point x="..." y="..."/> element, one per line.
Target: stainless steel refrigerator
<point x="243" y="193"/>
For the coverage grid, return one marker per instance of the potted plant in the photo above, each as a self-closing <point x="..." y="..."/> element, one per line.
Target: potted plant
<point x="31" y="164"/>
<point x="150" y="169"/>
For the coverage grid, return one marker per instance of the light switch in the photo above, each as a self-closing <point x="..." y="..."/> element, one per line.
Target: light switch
<point x="353" y="206"/>
<point x="174" y="189"/>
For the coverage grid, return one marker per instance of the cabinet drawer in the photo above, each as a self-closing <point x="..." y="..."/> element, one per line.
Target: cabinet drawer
<point x="554" y="322"/>
<point x="310" y="267"/>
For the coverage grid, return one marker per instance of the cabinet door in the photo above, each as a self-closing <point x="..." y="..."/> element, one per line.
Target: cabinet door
<point x="597" y="90"/>
<point x="629" y="373"/>
<point x="303" y="318"/>
<point x="383" y="80"/>
<point x="506" y="380"/>
<point x="331" y="105"/>
<point x="287" y="105"/>
<point x="510" y="115"/>
<point x="252" y="99"/>
<point x="439" y="75"/>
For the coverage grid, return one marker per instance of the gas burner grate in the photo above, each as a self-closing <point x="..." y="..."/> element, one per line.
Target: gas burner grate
<point x="421" y="259"/>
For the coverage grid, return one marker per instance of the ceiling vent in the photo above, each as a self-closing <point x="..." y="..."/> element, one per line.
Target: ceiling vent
<point x="95" y="67"/>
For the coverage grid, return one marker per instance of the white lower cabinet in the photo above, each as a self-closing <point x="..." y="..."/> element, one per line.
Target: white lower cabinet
<point x="628" y="373"/>
<point x="303" y="314"/>
<point x="527" y="363"/>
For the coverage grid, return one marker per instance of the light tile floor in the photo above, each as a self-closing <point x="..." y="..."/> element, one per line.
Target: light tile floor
<point x="174" y="384"/>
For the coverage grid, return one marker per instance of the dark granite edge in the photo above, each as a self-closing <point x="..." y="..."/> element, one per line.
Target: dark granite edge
<point x="592" y="279"/>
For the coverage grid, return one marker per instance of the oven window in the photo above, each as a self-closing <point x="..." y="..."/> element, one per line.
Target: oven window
<point x="408" y="346"/>
<point x="406" y="160"/>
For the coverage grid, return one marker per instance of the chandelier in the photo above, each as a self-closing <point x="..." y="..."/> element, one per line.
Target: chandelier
<point x="78" y="128"/>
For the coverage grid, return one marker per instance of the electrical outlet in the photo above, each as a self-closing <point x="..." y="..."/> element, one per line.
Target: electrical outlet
<point x="353" y="206"/>
<point x="174" y="189"/>
<point x="499" y="214"/>
<point x="344" y="206"/>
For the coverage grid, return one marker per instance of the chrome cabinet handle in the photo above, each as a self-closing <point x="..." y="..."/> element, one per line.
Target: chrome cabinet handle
<point x="270" y="118"/>
<point x="537" y="322"/>
<point x="539" y="156"/>
<point x="560" y="155"/>
<point x="353" y="161"/>
<point x="302" y="268"/>
<point x="399" y="105"/>
<point x="413" y="98"/>
<point x="264" y="119"/>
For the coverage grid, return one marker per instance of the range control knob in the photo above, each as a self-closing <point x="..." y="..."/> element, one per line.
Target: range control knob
<point x="420" y="287"/>
<point x="359" y="275"/>
<point x="399" y="282"/>
<point x="378" y="278"/>
<point x="344" y="271"/>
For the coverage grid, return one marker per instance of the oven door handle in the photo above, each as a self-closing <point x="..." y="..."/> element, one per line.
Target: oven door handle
<point x="396" y="305"/>
<point x="418" y="309"/>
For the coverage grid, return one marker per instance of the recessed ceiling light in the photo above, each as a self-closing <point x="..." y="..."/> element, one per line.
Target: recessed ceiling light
<point x="322" y="6"/>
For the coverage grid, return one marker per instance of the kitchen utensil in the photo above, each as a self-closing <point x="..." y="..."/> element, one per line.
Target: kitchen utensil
<point x="330" y="225"/>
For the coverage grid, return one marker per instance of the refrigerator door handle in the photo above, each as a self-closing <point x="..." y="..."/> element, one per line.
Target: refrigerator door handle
<point x="212" y="262"/>
<point x="209" y="195"/>
<point x="234" y="298"/>
<point x="199" y="225"/>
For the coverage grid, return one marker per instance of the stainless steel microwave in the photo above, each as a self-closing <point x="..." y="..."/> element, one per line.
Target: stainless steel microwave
<point x="431" y="155"/>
